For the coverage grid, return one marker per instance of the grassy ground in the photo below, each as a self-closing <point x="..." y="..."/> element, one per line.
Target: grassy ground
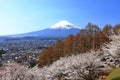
<point x="115" y="75"/>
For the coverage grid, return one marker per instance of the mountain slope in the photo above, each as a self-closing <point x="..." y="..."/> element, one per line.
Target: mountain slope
<point x="53" y="33"/>
<point x="61" y="29"/>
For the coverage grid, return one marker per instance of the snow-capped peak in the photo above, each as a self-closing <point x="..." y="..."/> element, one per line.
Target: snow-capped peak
<point x="64" y="25"/>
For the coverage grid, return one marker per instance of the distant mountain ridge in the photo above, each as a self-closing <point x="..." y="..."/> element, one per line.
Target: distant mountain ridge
<point x="61" y="29"/>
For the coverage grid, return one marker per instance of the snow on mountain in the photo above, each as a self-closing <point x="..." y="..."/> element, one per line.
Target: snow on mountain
<point x="64" y="25"/>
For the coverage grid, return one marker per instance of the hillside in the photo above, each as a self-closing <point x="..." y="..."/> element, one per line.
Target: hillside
<point x="69" y="68"/>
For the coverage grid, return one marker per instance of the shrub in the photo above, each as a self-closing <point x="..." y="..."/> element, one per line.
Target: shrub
<point x="116" y="78"/>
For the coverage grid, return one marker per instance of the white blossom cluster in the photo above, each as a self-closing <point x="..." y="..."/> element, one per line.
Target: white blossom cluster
<point x="73" y="67"/>
<point x="113" y="48"/>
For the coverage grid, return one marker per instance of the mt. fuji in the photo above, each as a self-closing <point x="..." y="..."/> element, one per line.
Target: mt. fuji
<point x="60" y="30"/>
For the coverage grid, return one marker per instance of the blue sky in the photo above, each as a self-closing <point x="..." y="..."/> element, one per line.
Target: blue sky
<point x="21" y="16"/>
